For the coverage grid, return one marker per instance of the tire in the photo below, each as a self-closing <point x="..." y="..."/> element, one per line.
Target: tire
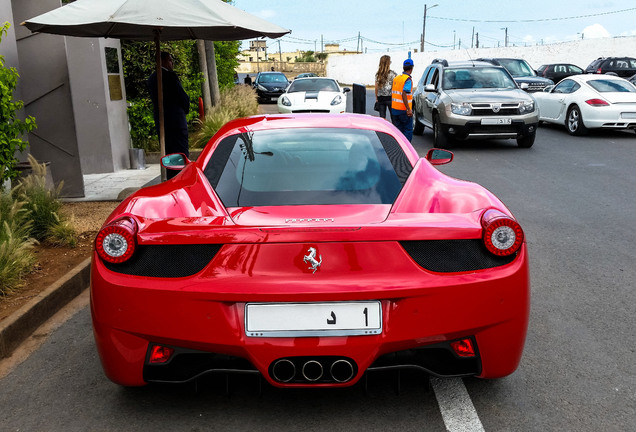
<point x="526" y="141"/>
<point x="574" y="121"/>
<point x="440" y="139"/>
<point x="418" y="127"/>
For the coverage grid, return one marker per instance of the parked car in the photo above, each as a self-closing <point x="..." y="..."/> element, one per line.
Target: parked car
<point x="270" y="85"/>
<point x="318" y="95"/>
<point x="623" y="67"/>
<point x="306" y="75"/>
<point x="557" y="71"/>
<point x="584" y="102"/>
<point x="309" y="250"/>
<point x="522" y="73"/>
<point x="472" y="100"/>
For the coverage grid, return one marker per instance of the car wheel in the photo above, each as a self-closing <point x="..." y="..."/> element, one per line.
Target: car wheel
<point x="418" y="127"/>
<point x="440" y="139"/>
<point x="526" y="141"/>
<point x="574" y="122"/>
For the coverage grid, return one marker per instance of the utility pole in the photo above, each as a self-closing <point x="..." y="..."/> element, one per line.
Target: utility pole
<point x="477" y="40"/>
<point x="423" y="39"/>
<point x="472" y="39"/>
<point x="454" y="38"/>
<point x="506" y="36"/>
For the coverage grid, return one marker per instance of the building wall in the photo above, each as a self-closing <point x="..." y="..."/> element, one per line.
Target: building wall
<point x="361" y="68"/>
<point x="102" y="123"/>
<point x="44" y="88"/>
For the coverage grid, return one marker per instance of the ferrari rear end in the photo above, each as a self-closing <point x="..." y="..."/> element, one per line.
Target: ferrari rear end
<point x="309" y="251"/>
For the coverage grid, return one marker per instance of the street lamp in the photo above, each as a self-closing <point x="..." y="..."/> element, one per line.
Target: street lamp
<point x="506" y="35"/>
<point x="424" y="26"/>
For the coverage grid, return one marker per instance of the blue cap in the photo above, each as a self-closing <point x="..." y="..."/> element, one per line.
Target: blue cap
<point x="408" y="63"/>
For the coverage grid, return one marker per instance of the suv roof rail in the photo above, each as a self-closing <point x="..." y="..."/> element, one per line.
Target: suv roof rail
<point x="440" y="60"/>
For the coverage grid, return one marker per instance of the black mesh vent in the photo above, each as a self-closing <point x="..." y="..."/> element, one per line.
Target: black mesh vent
<point x="447" y="256"/>
<point x="167" y="260"/>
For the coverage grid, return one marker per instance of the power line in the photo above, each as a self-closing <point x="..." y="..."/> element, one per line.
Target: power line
<point x="533" y="20"/>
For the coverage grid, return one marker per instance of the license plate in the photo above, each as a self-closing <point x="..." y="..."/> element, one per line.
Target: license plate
<point x="628" y="115"/>
<point x="496" y="121"/>
<point x="313" y="319"/>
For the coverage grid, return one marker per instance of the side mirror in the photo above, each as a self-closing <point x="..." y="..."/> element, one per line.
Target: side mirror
<point x="524" y="86"/>
<point x="439" y="156"/>
<point x="175" y="161"/>
<point x="430" y="88"/>
<point x="346" y="90"/>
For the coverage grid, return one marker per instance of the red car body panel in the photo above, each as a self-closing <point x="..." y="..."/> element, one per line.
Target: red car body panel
<point x="261" y="260"/>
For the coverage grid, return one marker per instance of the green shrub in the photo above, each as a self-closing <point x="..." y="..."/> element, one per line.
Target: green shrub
<point x="16" y="256"/>
<point x="43" y="207"/>
<point x="11" y="127"/>
<point x="236" y="102"/>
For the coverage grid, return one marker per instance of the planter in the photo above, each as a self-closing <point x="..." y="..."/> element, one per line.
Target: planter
<point x="137" y="158"/>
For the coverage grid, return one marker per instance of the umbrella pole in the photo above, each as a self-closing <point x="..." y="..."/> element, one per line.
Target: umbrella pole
<point x="162" y="132"/>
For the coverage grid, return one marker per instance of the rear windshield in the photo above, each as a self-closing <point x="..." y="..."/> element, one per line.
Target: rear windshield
<point x="612" y="86"/>
<point x="308" y="166"/>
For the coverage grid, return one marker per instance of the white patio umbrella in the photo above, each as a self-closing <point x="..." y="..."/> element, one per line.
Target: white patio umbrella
<point x="156" y="20"/>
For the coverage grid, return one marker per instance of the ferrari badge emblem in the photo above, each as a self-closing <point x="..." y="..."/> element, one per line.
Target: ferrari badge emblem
<point x="311" y="259"/>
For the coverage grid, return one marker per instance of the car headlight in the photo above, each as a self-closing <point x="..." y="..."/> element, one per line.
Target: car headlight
<point x="261" y="88"/>
<point x="461" y="109"/>
<point x="526" y="107"/>
<point x="284" y="100"/>
<point x="337" y="100"/>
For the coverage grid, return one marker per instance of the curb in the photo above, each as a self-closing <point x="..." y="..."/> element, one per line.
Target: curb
<point x="19" y="326"/>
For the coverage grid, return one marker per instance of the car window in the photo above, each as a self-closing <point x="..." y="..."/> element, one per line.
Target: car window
<point x="313" y="85"/>
<point x="433" y="77"/>
<point x="517" y="68"/>
<point x="480" y="77"/>
<point x="422" y="81"/>
<point x="307" y="166"/>
<point x="611" y="86"/>
<point x="632" y="63"/>
<point x="566" y="86"/>
<point x="575" y="69"/>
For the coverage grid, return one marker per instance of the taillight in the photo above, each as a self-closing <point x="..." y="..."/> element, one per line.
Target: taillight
<point x="599" y="71"/>
<point x="160" y="354"/>
<point x="116" y="242"/>
<point x="503" y="236"/>
<point x="463" y="348"/>
<point x="597" y="102"/>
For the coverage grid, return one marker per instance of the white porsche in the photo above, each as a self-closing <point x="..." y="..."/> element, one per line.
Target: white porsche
<point x="583" y="102"/>
<point x="313" y="95"/>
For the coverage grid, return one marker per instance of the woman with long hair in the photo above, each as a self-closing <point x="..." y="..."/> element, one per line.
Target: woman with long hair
<point x="383" y="82"/>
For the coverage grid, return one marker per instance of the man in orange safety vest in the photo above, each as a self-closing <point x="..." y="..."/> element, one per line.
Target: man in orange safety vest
<point x="402" y="100"/>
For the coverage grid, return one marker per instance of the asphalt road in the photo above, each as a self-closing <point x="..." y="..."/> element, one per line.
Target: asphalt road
<point x="574" y="197"/>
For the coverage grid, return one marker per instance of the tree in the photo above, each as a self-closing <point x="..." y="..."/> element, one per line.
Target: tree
<point x="12" y="129"/>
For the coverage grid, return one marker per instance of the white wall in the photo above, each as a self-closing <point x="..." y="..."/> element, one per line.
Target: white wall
<point x="361" y="68"/>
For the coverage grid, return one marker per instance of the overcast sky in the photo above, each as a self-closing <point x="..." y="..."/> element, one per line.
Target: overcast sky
<point x="391" y="25"/>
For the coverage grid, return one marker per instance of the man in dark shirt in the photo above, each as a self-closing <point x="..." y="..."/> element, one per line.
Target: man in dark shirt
<point x="176" y="104"/>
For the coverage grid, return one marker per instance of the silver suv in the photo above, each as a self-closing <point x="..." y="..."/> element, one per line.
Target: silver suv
<point x="470" y="100"/>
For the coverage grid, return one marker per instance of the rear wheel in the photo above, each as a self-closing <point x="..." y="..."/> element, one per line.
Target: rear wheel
<point x="440" y="138"/>
<point x="574" y="122"/>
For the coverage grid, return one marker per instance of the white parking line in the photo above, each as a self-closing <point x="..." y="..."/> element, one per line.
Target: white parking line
<point x="455" y="405"/>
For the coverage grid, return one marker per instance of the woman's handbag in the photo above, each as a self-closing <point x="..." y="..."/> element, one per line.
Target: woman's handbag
<point x="376" y="107"/>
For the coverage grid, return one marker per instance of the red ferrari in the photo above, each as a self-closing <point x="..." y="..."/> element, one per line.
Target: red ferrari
<point x="309" y="249"/>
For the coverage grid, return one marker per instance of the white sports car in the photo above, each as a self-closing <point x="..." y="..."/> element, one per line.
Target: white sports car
<point x="583" y="102"/>
<point x="313" y="95"/>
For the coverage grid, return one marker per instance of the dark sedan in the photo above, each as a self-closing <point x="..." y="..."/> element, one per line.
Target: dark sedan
<point x="623" y="67"/>
<point x="270" y="85"/>
<point x="557" y="71"/>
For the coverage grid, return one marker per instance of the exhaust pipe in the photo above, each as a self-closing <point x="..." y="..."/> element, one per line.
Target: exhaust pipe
<point x="284" y="370"/>
<point x="341" y="371"/>
<point x="312" y="370"/>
